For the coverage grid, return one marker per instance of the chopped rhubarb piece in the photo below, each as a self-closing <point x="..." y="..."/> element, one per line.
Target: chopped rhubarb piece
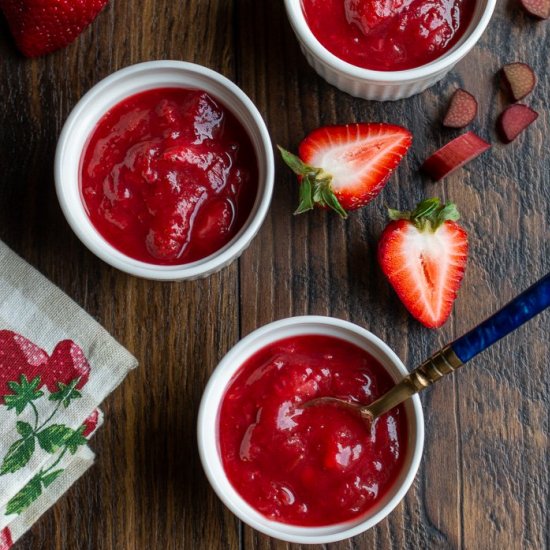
<point x="519" y="79"/>
<point x="462" y="109"/>
<point x="538" y="8"/>
<point x="455" y="154"/>
<point x="513" y="120"/>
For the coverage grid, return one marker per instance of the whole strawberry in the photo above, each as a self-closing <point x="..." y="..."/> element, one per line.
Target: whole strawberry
<point x="423" y="254"/>
<point x="43" y="26"/>
<point x="18" y="356"/>
<point x="66" y="363"/>
<point x="345" y="167"/>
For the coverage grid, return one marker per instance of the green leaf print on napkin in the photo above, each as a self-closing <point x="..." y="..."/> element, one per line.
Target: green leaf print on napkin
<point x="23" y="394"/>
<point x="64" y="373"/>
<point x="18" y="455"/>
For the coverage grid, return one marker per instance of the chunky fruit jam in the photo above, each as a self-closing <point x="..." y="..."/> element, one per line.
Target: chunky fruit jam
<point x="388" y="35"/>
<point x="309" y="466"/>
<point x="168" y="176"/>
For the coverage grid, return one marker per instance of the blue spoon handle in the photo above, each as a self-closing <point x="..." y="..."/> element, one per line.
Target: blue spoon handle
<point x="514" y="314"/>
<point x="522" y="308"/>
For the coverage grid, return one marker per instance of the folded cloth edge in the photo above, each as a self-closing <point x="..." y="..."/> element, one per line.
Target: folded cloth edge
<point x="74" y="468"/>
<point x="62" y="311"/>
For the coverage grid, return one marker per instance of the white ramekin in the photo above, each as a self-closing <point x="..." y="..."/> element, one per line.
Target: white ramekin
<point x="113" y="89"/>
<point x="384" y="85"/>
<point x="207" y="428"/>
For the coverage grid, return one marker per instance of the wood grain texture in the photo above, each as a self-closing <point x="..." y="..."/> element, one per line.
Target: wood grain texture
<point x="484" y="480"/>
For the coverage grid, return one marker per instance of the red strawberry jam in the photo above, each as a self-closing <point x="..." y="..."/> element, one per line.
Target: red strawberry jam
<point x="168" y="176"/>
<point x="309" y="466"/>
<point x="388" y="35"/>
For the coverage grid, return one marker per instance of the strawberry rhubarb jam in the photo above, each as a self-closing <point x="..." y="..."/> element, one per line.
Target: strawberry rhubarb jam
<point x="309" y="466"/>
<point x="168" y="176"/>
<point x="388" y="35"/>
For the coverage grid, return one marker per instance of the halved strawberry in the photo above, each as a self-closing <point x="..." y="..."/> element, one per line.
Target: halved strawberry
<point x="345" y="167"/>
<point x="42" y="26"/>
<point x="423" y="254"/>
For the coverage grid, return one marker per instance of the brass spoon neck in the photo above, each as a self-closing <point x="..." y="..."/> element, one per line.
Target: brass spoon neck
<point x="433" y="369"/>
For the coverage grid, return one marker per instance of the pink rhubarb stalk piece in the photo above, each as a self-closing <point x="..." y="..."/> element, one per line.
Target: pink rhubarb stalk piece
<point x="513" y="120"/>
<point x="519" y="79"/>
<point x="454" y="155"/>
<point x="538" y="8"/>
<point x="462" y="109"/>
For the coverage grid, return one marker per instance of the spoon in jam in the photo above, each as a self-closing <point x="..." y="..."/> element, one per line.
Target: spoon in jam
<point x="520" y="310"/>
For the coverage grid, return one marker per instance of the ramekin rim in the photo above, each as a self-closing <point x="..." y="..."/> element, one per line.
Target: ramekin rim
<point x="205" y="266"/>
<point x="297" y="20"/>
<point x="296" y="534"/>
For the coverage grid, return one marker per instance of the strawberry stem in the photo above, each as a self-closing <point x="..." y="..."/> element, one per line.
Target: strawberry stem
<point x="315" y="185"/>
<point x="429" y="214"/>
<point x="35" y="410"/>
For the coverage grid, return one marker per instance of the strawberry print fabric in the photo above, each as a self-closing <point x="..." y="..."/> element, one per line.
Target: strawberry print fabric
<point x="56" y="366"/>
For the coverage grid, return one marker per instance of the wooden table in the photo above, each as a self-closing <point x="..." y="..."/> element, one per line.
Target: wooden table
<point x="484" y="478"/>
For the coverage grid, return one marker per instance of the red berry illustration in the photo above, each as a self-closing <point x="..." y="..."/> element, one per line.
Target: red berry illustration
<point x="5" y="535"/>
<point x="90" y="424"/>
<point x="66" y="363"/>
<point x="18" y="356"/>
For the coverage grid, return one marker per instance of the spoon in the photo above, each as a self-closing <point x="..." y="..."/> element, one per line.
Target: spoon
<point x="514" y="314"/>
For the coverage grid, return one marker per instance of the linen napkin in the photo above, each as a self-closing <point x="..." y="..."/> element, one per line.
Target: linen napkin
<point x="56" y="366"/>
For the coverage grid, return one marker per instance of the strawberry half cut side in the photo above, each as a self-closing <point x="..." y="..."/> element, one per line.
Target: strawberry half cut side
<point x="345" y="167"/>
<point x="423" y="254"/>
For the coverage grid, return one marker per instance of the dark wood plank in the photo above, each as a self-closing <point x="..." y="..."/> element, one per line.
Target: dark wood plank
<point x="472" y="478"/>
<point x="484" y="480"/>
<point x="147" y="489"/>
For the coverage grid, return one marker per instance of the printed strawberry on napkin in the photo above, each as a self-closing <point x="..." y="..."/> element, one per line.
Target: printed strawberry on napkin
<point x="56" y="366"/>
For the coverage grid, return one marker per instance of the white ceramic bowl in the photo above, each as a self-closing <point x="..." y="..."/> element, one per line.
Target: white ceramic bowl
<point x="132" y="80"/>
<point x="384" y="85"/>
<point x="208" y="428"/>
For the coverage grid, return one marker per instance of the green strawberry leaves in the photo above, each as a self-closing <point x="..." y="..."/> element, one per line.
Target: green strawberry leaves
<point x="23" y="393"/>
<point x="75" y="440"/>
<point x="428" y="214"/>
<point x="54" y="437"/>
<point x="66" y="393"/>
<point x="26" y="496"/>
<point x="31" y="491"/>
<point x="306" y="197"/>
<point x="24" y="428"/>
<point x="296" y="164"/>
<point x="315" y="185"/>
<point x="50" y="437"/>
<point x="18" y="455"/>
<point x="48" y="479"/>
